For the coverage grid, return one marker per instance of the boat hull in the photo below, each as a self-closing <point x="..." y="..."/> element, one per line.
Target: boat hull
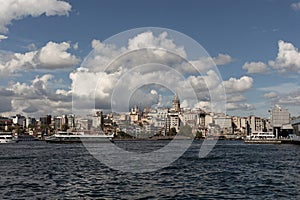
<point x="7" y="141"/>
<point x="59" y="141"/>
<point x="78" y="139"/>
<point x="263" y="141"/>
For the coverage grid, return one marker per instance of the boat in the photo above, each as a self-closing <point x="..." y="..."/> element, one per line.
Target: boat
<point x="262" y="138"/>
<point x="7" y="137"/>
<point x="292" y="139"/>
<point x="78" y="137"/>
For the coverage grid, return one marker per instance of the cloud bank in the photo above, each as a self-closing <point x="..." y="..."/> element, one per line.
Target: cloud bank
<point x="102" y="72"/>
<point x="50" y="57"/>
<point x="286" y="61"/>
<point x="18" y="9"/>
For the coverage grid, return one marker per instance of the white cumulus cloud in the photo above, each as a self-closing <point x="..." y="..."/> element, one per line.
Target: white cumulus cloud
<point x="55" y="55"/>
<point x="18" y="9"/>
<point x="295" y="6"/>
<point x="222" y="59"/>
<point x="271" y="95"/>
<point x="288" y="58"/>
<point x="256" y="67"/>
<point x="51" y="56"/>
<point x="149" y="40"/>
<point x="123" y="67"/>
<point x="239" y="106"/>
<point x="283" y="88"/>
<point x="36" y="97"/>
<point x="235" y="98"/>
<point x="234" y="85"/>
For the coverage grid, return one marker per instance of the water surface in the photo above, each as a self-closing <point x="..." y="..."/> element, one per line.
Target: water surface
<point x="233" y="170"/>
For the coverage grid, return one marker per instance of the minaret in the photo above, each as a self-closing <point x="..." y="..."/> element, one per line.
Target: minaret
<point x="176" y="104"/>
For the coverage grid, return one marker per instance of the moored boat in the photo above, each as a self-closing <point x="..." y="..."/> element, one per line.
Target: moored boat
<point x="262" y="138"/>
<point x="77" y="137"/>
<point x="7" y="137"/>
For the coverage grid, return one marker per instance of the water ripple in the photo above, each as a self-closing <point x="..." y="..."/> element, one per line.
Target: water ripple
<point x="233" y="170"/>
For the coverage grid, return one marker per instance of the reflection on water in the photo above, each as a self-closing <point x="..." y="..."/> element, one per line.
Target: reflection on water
<point x="231" y="170"/>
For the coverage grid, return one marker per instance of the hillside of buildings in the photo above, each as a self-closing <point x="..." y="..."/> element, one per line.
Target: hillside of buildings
<point x="160" y="122"/>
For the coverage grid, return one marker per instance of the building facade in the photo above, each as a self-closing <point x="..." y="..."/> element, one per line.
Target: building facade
<point x="280" y="119"/>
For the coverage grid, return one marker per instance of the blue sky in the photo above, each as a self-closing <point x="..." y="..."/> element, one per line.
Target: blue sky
<point x="247" y="31"/>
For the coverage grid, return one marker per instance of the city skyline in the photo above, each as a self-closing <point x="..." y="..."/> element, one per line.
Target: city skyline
<point x="253" y="43"/>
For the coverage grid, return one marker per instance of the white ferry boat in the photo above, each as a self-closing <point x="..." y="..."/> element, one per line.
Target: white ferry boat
<point x="7" y="137"/>
<point x="262" y="138"/>
<point x="78" y="137"/>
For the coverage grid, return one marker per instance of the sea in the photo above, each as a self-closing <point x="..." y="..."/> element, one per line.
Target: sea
<point x="232" y="170"/>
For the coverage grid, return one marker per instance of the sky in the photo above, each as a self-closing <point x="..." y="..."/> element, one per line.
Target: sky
<point x="44" y="44"/>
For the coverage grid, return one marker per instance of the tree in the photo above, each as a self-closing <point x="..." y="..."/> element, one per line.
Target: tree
<point x="64" y="127"/>
<point x="140" y="124"/>
<point x="172" y="132"/>
<point x="122" y="134"/>
<point x="31" y="126"/>
<point x="199" y="135"/>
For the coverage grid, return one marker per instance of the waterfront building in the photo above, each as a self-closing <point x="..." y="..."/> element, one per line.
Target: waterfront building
<point x="45" y="120"/>
<point x="224" y="122"/>
<point x="121" y="120"/>
<point x="19" y="120"/>
<point x="56" y="121"/>
<point x="124" y="117"/>
<point x="268" y="126"/>
<point x="173" y="118"/>
<point x="158" y="122"/>
<point x="172" y="121"/>
<point x="236" y="124"/>
<point x="200" y="118"/>
<point x="30" y="121"/>
<point x="159" y="113"/>
<point x="157" y="118"/>
<point x="64" y="121"/>
<point x="149" y="128"/>
<point x="97" y="119"/>
<point x="256" y="124"/>
<point x="280" y="121"/>
<point x="189" y="118"/>
<point x="5" y="123"/>
<point x="84" y="124"/>
<point x="296" y="126"/>
<point x="135" y="114"/>
<point x="208" y="119"/>
<point x="244" y="125"/>
<point x="71" y="121"/>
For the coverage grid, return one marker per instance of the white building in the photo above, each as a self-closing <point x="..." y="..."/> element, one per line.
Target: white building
<point x="256" y="123"/>
<point x="159" y="113"/>
<point x="84" y="124"/>
<point x="30" y="121"/>
<point x="279" y="116"/>
<point x="19" y="119"/>
<point x="208" y="119"/>
<point x="97" y="119"/>
<point x="71" y="120"/>
<point x="150" y="129"/>
<point x="158" y="122"/>
<point x="224" y="122"/>
<point x="189" y="118"/>
<point x="172" y="121"/>
<point x="135" y="114"/>
<point x="280" y="121"/>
